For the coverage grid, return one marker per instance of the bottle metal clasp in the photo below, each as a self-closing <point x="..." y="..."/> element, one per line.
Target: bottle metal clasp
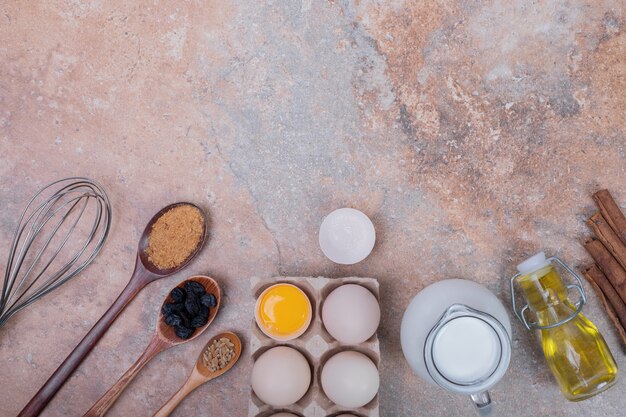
<point x="521" y="314"/>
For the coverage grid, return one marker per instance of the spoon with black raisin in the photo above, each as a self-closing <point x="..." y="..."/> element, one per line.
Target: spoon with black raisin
<point x="175" y="325"/>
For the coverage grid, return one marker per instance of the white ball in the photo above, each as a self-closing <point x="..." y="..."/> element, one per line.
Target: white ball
<point x="351" y="314"/>
<point x="281" y="376"/>
<point x="347" y="236"/>
<point x="350" y="379"/>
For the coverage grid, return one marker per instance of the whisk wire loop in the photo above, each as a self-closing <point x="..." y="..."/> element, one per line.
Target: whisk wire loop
<point x="53" y="256"/>
<point x="54" y="217"/>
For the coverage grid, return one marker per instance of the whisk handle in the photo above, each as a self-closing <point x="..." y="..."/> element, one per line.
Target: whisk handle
<point x="35" y="406"/>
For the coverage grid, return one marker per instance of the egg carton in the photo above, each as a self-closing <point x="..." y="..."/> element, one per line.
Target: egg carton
<point x="317" y="345"/>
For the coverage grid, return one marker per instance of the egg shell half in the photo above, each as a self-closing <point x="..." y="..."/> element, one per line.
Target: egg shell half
<point x="347" y="236"/>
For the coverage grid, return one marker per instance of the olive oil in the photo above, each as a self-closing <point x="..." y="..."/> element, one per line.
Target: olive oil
<point x="575" y="351"/>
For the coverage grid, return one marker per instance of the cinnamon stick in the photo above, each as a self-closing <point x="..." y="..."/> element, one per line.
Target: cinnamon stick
<point x="607" y="264"/>
<point x="611" y="213"/>
<point x="608" y="237"/>
<point x="613" y="304"/>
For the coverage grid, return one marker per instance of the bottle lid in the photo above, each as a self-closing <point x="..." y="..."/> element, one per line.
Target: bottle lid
<point x="532" y="264"/>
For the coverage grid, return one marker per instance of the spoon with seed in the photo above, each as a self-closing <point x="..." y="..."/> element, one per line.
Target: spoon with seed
<point x="206" y="369"/>
<point x="163" y="338"/>
<point x="145" y="272"/>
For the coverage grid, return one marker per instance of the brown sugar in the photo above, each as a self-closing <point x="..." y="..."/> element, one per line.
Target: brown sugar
<point x="174" y="236"/>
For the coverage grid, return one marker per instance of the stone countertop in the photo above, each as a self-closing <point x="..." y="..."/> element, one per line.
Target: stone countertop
<point x="472" y="133"/>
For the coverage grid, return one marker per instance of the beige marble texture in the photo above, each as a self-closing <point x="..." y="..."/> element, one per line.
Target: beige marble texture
<point x="471" y="132"/>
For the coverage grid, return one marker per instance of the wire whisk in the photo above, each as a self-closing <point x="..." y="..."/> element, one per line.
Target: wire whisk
<point x="59" y="233"/>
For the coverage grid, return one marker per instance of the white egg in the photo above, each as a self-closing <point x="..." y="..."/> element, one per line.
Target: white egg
<point x="347" y="236"/>
<point x="350" y="379"/>
<point x="281" y="376"/>
<point x="351" y="314"/>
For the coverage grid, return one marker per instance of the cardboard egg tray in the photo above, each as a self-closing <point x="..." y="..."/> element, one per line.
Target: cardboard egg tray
<point x="317" y="345"/>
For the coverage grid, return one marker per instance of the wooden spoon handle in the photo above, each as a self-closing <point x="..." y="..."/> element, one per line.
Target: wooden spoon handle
<point x="100" y="408"/>
<point x="36" y="405"/>
<point x="191" y="384"/>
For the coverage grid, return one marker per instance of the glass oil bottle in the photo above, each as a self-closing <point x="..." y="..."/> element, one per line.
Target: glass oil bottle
<point x="575" y="351"/>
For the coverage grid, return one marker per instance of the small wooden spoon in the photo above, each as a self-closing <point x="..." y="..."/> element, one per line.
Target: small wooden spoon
<point x="164" y="337"/>
<point x="145" y="272"/>
<point x="200" y="374"/>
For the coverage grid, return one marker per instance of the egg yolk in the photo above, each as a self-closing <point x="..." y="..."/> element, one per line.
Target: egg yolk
<point x="283" y="310"/>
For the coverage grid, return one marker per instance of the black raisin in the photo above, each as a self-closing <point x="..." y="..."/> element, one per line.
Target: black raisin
<point x="173" y="320"/>
<point x="183" y="332"/>
<point x="204" y="311"/>
<point x="175" y="308"/>
<point x="185" y="317"/>
<point x="209" y="300"/>
<point x="199" y="321"/>
<point x="192" y="305"/>
<point x="195" y="287"/>
<point x="167" y="309"/>
<point x="177" y="295"/>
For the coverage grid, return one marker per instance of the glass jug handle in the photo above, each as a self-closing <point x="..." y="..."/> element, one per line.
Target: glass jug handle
<point x="482" y="403"/>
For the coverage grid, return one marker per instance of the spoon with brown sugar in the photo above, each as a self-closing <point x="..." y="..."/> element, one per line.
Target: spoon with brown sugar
<point x="164" y="337"/>
<point x="188" y="224"/>
<point x="217" y="357"/>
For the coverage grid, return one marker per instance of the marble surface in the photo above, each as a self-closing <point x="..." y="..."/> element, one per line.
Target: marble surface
<point x="471" y="132"/>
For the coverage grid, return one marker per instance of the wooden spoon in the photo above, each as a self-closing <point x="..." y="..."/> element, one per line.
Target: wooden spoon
<point x="145" y="272"/>
<point x="200" y="374"/>
<point x="163" y="338"/>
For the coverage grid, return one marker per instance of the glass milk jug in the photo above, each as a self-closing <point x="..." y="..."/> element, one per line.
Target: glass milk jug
<point x="575" y="351"/>
<point x="456" y="334"/>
